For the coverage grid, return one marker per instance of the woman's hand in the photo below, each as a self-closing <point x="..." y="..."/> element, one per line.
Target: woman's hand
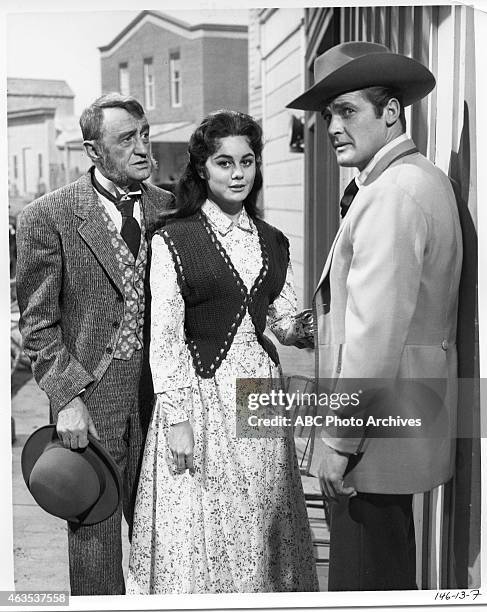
<point x="302" y="334"/>
<point x="181" y="445"/>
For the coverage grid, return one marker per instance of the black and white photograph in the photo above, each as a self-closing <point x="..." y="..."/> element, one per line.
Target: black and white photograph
<point x="245" y="303"/>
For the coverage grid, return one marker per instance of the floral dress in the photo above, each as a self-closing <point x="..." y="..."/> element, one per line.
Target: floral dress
<point x="239" y="522"/>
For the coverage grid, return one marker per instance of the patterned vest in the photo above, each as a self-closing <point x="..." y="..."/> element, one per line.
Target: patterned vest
<point x="130" y="336"/>
<point x="215" y="297"/>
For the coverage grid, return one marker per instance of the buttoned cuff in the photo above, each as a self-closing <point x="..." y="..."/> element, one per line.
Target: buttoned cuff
<point x="176" y="404"/>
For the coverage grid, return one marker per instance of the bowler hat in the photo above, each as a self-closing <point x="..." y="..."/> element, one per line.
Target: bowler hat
<point x="82" y="486"/>
<point x="356" y="65"/>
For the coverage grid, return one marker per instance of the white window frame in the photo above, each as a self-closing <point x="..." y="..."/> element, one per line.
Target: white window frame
<point x="175" y="79"/>
<point x="124" y="79"/>
<point x="149" y="84"/>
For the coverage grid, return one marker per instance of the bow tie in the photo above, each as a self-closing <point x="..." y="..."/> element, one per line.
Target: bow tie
<point x="120" y="197"/>
<point x="348" y="196"/>
<point x="124" y="202"/>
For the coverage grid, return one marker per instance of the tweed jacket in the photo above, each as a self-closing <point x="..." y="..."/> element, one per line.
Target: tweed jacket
<point x="69" y="286"/>
<point x="386" y="308"/>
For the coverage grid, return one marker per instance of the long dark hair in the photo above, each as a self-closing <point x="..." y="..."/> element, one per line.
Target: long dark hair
<point x="191" y="191"/>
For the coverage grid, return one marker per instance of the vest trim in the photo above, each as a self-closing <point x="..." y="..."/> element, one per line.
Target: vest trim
<point x="248" y="298"/>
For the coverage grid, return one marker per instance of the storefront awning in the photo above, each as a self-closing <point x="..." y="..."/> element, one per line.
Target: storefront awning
<point x="171" y="132"/>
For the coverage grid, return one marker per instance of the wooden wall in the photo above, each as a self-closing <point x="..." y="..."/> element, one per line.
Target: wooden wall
<point x="444" y="128"/>
<point x="280" y="36"/>
<point x="302" y="192"/>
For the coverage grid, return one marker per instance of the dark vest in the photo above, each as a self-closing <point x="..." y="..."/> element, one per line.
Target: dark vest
<point x="215" y="296"/>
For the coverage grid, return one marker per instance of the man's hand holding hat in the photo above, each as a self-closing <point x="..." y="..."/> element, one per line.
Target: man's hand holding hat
<point x="74" y="424"/>
<point x="81" y="486"/>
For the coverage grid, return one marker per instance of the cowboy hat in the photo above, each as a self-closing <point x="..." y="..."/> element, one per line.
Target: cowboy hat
<point x="356" y="65"/>
<point x="81" y="486"/>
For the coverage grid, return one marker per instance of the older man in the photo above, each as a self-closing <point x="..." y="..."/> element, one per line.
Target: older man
<point x="386" y="308"/>
<point x="83" y="255"/>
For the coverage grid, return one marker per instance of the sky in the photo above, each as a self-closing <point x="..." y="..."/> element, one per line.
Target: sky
<point x="48" y="40"/>
<point x="64" y="45"/>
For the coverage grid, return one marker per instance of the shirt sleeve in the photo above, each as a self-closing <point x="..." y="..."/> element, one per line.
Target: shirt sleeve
<point x="281" y="313"/>
<point x="175" y="404"/>
<point x="170" y="359"/>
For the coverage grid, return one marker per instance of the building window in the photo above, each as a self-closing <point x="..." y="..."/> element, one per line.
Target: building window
<point x="39" y="160"/>
<point x="123" y="79"/>
<point x="149" y="83"/>
<point x="175" y="77"/>
<point x="16" y="168"/>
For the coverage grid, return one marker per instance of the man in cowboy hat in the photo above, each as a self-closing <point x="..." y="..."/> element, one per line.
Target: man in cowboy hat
<point x="385" y="308"/>
<point x="83" y="255"/>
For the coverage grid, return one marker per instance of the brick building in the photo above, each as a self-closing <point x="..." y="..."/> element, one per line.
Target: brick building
<point x="179" y="72"/>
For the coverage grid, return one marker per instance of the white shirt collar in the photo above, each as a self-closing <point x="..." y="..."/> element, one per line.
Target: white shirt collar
<point x="106" y="183"/>
<point x="109" y="185"/>
<point x="111" y="209"/>
<point x="362" y="176"/>
<point x="224" y="224"/>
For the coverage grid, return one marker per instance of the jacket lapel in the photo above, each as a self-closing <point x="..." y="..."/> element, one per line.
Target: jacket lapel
<point x="399" y="151"/>
<point x="326" y="267"/>
<point x="150" y="211"/>
<point x="157" y="207"/>
<point x="93" y="229"/>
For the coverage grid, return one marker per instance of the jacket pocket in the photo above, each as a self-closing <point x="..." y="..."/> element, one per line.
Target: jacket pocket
<point x="424" y="361"/>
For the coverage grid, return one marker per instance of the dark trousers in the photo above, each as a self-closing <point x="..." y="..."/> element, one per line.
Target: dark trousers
<point x="372" y="545"/>
<point x="95" y="551"/>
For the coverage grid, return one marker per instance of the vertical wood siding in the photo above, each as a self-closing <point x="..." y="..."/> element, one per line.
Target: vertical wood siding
<point x="302" y="199"/>
<point x="281" y="68"/>
<point x="255" y="81"/>
<point x="443" y="127"/>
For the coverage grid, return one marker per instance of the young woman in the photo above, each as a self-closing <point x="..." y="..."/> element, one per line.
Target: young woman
<point x="216" y="512"/>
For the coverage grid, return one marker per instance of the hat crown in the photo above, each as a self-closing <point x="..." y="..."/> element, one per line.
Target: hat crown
<point x="63" y="482"/>
<point x="339" y="55"/>
<point x="83" y="486"/>
<point x="356" y="65"/>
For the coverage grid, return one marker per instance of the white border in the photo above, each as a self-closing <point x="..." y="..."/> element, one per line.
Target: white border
<point x="176" y="602"/>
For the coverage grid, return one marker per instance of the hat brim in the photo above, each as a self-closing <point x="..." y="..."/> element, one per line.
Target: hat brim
<point x="412" y="80"/>
<point x="97" y="456"/>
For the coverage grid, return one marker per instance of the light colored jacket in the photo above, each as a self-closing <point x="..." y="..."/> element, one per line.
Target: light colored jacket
<point x="386" y="308"/>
